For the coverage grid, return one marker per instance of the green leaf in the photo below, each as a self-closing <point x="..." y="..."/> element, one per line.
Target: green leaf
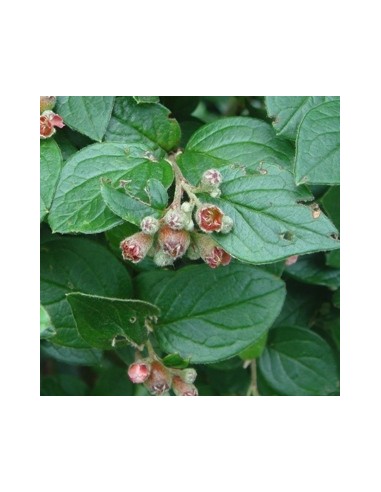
<point x="146" y="124"/>
<point x="336" y="298"/>
<point x="270" y="223"/>
<point x="50" y="170"/>
<point x="312" y="270"/>
<point x="299" y="362"/>
<point x="63" y="385"/>
<point x="255" y="350"/>
<point x="106" y="323"/>
<point x="301" y="304"/>
<point x="78" y="205"/>
<point x="238" y="145"/>
<point x="89" y="115"/>
<point x="113" y="381"/>
<point x="146" y="99"/>
<point x="331" y="204"/>
<point x="125" y="206"/>
<point x="289" y="111"/>
<point x="73" y="264"/>
<point x="68" y="355"/>
<point x="158" y="196"/>
<point x="46" y="326"/>
<point x="181" y="106"/>
<point x="210" y="315"/>
<point x="317" y="158"/>
<point x="333" y="259"/>
<point x="174" y="360"/>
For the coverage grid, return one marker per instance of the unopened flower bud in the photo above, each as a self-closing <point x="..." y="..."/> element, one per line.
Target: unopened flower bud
<point x="186" y="207"/>
<point x="173" y="243"/>
<point x="136" y="247"/>
<point x="160" y="379"/>
<point x="193" y="252"/>
<point x="188" y="375"/>
<point x="189" y="226"/>
<point x="216" y="193"/>
<point x="291" y="260"/>
<point x="149" y="225"/>
<point x="211" y="177"/>
<point x="210" y="252"/>
<point x="227" y="224"/>
<point x="47" y="102"/>
<point x="161" y="259"/>
<point x="180" y="388"/>
<point x="209" y="218"/>
<point x="176" y="219"/>
<point x="139" y="371"/>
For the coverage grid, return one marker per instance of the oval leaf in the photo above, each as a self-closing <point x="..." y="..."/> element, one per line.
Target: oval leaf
<point x="50" y="170"/>
<point x="106" y="323"/>
<point x="269" y="222"/>
<point x="78" y="205"/>
<point x="299" y="362"/>
<point x="89" y="115"/>
<point x="212" y="315"/>
<point x="147" y="124"/>
<point x="74" y="264"/>
<point x="317" y="157"/>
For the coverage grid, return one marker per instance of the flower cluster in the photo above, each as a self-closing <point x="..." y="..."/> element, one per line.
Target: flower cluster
<point x="185" y="228"/>
<point x="48" y="119"/>
<point x="159" y="379"/>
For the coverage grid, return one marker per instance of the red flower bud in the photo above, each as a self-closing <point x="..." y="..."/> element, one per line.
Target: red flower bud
<point x="160" y="379"/>
<point x="209" y="218"/>
<point x="48" y="120"/>
<point x="136" y="247"/>
<point x="210" y="252"/>
<point x="139" y="371"/>
<point x="181" y="388"/>
<point x="173" y="243"/>
<point x="47" y="102"/>
<point x="211" y="177"/>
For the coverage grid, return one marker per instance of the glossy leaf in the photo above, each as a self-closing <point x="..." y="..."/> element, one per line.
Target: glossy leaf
<point x="78" y="205"/>
<point x="50" y="170"/>
<point x="255" y="350"/>
<point x="157" y="194"/>
<point x="288" y="111"/>
<point x="237" y="145"/>
<point x="89" y="115"/>
<point x="146" y="124"/>
<point x="270" y="223"/>
<point x="299" y="362"/>
<point x="199" y="323"/>
<point x="106" y="323"/>
<point x="317" y="158"/>
<point x="174" y="360"/>
<point x="76" y="264"/>
<point x="146" y="99"/>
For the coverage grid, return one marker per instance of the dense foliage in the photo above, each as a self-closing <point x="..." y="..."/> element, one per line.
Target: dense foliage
<point x="189" y="234"/>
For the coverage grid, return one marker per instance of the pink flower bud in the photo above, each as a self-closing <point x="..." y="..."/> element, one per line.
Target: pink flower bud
<point x="291" y="260"/>
<point x="209" y="218"/>
<point x="48" y="120"/>
<point x="210" y="252"/>
<point x="136" y="247"/>
<point x="181" y="388"/>
<point x="176" y="219"/>
<point x="149" y="225"/>
<point x="47" y="102"/>
<point x="211" y="177"/>
<point x="173" y="243"/>
<point x="160" y="379"/>
<point x="139" y="371"/>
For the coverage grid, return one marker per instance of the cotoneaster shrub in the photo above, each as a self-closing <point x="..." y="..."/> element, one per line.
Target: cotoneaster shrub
<point x="189" y="245"/>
